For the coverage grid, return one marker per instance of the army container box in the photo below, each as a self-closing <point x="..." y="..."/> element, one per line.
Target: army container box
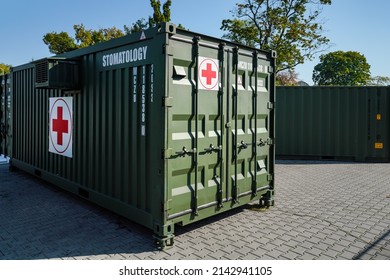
<point x="164" y="127"/>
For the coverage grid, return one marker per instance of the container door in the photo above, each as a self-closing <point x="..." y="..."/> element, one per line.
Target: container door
<point x="195" y="124"/>
<point x="250" y="137"/>
<point x="377" y="141"/>
<point x="218" y="128"/>
<point x="211" y="106"/>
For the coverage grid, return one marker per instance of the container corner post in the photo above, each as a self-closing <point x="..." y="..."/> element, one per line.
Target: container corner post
<point x="164" y="236"/>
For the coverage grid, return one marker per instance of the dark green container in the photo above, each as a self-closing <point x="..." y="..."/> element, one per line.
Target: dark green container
<point x="5" y="115"/>
<point x="164" y="126"/>
<point x="341" y="123"/>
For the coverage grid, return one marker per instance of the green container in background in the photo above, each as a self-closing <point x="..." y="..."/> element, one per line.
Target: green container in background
<point x="5" y="115"/>
<point x="164" y="127"/>
<point x="341" y="123"/>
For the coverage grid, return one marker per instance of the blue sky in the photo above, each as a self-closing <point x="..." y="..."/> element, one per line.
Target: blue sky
<point x="350" y="25"/>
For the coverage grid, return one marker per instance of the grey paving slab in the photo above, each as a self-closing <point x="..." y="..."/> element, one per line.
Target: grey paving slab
<point x="323" y="210"/>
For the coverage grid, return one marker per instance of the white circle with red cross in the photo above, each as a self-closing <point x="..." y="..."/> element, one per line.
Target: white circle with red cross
<point x="208" y="73"/>
<point x="60" y="125"/>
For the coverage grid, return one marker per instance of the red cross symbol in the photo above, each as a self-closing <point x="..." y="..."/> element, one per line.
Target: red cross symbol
<point x="209" y="74"/>
<point x="60" y="125"/>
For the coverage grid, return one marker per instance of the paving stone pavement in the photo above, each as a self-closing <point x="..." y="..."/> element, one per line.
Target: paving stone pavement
<point x="323" y="210"/>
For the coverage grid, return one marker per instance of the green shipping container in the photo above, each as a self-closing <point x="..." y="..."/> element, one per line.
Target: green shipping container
<point x="164" y="127"/>
<point x="341" y="123"/>
<point x="5" y="115"/>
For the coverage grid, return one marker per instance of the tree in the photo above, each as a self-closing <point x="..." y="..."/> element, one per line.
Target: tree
<point x="287" y="78"/>
<point x="62" y="42"/>
<point x="4" y="68"/>
<point x="158" y="16"/>
<point x="138" y="26"/>
<point x="379" y="81"/>
<point x="59" y="42"/>
<point x="290" y="27"/>
<point x="342" y="69"/>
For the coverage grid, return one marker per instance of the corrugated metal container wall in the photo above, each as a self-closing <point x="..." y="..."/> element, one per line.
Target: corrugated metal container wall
<point x="5" y="115"/>
<point x="168" y="127"/>
<point x="345" y="123"/>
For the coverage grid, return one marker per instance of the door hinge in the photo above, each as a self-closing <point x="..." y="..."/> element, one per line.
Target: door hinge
<point x="270" y="177"/>
<point x="270" y="105"/>
<point x="270" y="141"/>
<point x="167" y="101"/>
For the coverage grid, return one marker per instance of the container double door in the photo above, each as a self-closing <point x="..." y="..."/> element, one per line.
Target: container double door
<point x="376" y="140"/>
<point x="218" y="130"/>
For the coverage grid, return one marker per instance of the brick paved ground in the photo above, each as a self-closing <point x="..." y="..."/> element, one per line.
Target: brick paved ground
<point x="323" y="211"/>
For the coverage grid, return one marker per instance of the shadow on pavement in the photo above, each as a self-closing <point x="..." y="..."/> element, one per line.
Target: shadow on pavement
<point x="372" y="245"/>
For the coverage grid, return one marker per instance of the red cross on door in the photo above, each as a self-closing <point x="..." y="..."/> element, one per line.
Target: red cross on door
<point x="208" y="77"/>
<point x="209" y="74"/>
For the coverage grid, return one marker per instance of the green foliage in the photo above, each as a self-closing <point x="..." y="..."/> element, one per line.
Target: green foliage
<point x="4" y="68"/>
<point x="158" y="16"/>
<point x="138" y="26"/>
<point x="91" y="37"/>
<point x="342" y="69"/>
<point x="59" y="42"/>
<point x="290" y="27"/>
<point x="379" y="81"/>
<point x="62" y="42"/>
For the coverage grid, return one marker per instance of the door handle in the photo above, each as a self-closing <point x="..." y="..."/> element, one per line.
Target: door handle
<point x="184" y="152"/>
<point x="212" y="148"/>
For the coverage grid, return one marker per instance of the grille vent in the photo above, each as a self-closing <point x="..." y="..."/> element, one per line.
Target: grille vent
<point x="42" y="72"/>
<point x="57" y="73"/>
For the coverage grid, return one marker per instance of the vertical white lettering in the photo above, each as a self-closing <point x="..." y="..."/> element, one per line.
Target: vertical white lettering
<point x="151" y="83"/>
<point x="135" y="84"/>
<point x="143" y="106"/>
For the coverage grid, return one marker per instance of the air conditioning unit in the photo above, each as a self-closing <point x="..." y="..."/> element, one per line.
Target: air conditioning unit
<point x="57" y="73"/>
